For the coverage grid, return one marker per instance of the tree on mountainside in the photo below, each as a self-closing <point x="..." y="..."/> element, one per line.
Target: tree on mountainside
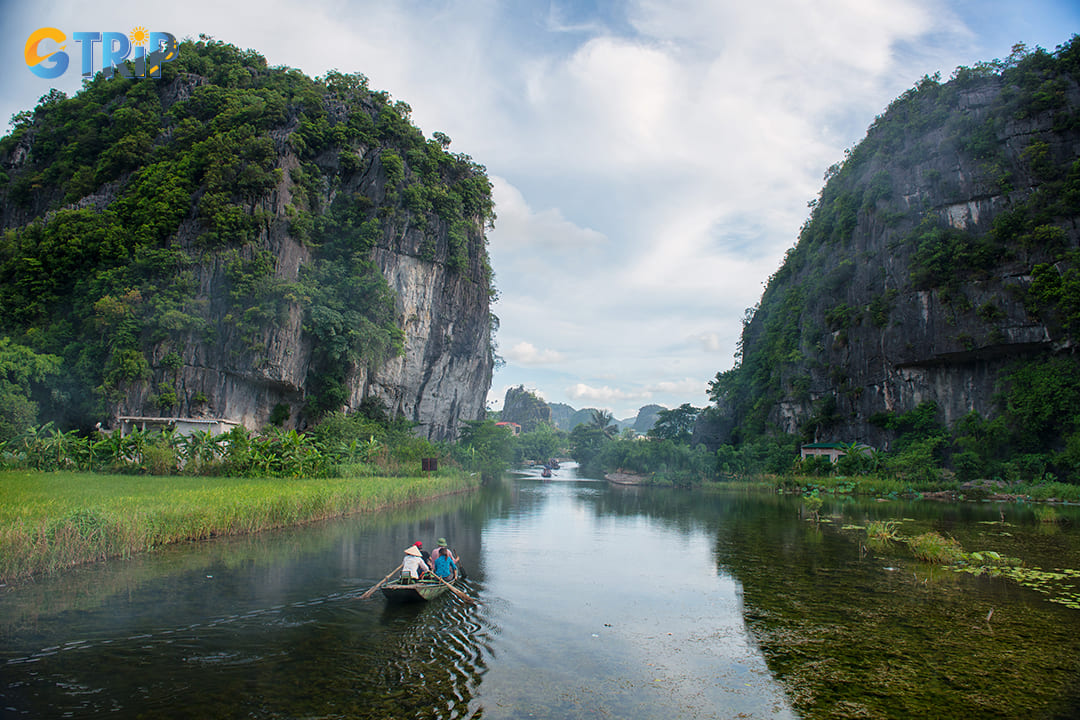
<point x="20" y="367"/>
<point x="525" y="408"/>
<point x="604" y="421"/>
<point x="879" y="283"/>
<point x="676" y="425"/>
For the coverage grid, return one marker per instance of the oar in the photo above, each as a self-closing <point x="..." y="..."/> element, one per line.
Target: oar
<point x="457" y="592"/>
<point x="379" y="584"/>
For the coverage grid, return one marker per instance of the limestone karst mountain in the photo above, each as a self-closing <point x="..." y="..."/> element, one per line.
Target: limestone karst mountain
<point x="244" y="242"/>
<point x="939" y="268"/>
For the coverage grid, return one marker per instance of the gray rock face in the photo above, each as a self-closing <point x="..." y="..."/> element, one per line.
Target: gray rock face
<point x="524" y="408"/>
<point x="855" y="322"/>
<point x="439" y="381"/>
<point x="443" y="377"/>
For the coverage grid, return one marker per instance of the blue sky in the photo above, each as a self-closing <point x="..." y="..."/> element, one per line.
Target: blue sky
<point x="652" y="160"/>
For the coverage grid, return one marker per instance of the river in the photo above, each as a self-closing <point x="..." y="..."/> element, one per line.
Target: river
<point x="595" y="602"/>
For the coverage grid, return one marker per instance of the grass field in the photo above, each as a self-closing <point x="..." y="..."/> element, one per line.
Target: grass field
<point x="51" y="521"/>
<point x="886" y="486"/>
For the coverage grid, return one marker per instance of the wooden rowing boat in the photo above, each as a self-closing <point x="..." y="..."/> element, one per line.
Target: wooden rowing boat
<point x="417" y="591"/>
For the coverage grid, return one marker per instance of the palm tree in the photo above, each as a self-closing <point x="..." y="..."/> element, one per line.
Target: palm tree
<point x="603" y="421"/>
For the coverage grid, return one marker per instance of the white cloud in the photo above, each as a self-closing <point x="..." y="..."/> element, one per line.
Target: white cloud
<point x="710" y="342"/>
<point x="526" y="353"/>
<point x="690" y="387"/>
<point x="605" y="394"/>
<point x="520" y="225"/>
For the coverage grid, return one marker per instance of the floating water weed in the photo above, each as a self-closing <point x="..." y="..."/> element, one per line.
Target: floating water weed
<point x="881" y="530"/>
<point x="1047" y="514"/>
<point x="1061" y="586"/>
<point x="935" y="548"/>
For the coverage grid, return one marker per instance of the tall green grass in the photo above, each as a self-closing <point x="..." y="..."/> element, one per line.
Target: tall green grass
<point x="875" y="485"/>
<point x="51" y="521"/>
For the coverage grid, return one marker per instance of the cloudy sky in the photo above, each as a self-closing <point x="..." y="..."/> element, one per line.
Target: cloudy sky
<point x="652" y="160"/>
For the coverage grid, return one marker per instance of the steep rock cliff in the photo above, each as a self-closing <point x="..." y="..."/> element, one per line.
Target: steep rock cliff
<point x="243" y="242"/>
<point x="922" y="272"/>
<point x="525" y="408"/>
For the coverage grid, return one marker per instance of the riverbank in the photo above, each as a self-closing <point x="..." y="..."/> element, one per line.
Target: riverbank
<point x="53" y="521"/>
<point x="949" y="490"/>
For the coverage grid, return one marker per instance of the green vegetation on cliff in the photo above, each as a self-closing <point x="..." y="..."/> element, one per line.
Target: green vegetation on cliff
<point x="141" y="215"/>
<point x="938" y="275"/>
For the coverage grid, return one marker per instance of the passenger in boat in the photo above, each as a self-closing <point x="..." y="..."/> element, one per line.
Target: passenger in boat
<point x="423" y="553"/>
<point x="445" y="562"/>
<point x="443" y="549"/>
<point x="413" y="566"/>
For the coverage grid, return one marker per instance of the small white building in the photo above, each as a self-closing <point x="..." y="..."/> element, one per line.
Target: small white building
<point x="833" y="451"/>
<point x="182" y="426"/>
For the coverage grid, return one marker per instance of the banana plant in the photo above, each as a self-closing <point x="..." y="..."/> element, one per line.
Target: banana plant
<point x="133" y="445"/>
<point x="111" y="448"/>
<point x="58" y="449"/>
<point x="202" y="448"/>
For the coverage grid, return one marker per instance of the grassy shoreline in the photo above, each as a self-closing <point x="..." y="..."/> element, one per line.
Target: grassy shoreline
<point x="892" y="487"/>
<point x="58" y="520"/>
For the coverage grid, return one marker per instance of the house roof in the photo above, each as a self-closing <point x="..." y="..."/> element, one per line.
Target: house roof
<point x="194" y="421"/>
<point x="825" y="446"/>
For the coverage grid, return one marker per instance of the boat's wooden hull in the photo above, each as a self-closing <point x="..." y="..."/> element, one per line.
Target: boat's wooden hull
<point x="419" y="591"/>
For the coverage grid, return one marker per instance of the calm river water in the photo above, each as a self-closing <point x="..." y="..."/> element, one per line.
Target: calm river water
<point x="597" y="602"/>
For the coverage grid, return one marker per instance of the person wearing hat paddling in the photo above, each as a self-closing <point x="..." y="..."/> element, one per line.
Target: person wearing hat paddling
<point x="445" y="564"/>
<point x="413" y="566"/>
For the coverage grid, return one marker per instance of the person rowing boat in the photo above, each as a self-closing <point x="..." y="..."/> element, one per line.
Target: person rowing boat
<point x="413" y="566"/>
<point x="444" y="564"/>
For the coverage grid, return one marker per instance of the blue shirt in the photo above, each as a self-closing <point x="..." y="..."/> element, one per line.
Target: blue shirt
<point x="445" y="566"/>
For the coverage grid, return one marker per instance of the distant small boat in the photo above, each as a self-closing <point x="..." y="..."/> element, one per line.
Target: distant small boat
<point x="554" y="464"/>
<point x="546" y="472"/>
<point x="417" y="591"/>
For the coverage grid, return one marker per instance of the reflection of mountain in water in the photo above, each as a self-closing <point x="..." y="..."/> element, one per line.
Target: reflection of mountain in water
<point x="268" y="625"/>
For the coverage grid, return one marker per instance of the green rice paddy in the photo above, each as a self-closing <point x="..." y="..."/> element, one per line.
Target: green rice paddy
<point x="51" y="521"/>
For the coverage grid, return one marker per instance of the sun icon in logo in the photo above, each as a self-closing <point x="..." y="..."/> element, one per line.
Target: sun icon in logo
<point x="138" y="35"/>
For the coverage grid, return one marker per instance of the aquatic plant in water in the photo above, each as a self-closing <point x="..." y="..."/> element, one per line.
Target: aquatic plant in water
<point x="1061" y="586"/>
<point x="935" y="548"/>
<point x="812" y="503"/>
<point x="882" y="531"/>
<point x="1047" y="514"/>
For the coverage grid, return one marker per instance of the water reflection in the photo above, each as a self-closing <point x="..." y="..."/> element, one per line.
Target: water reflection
<point x="610" y="606"/>
<point x="265" y="626"/>
<point x="860" y="633"/>
<point x="597" y="601"/>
